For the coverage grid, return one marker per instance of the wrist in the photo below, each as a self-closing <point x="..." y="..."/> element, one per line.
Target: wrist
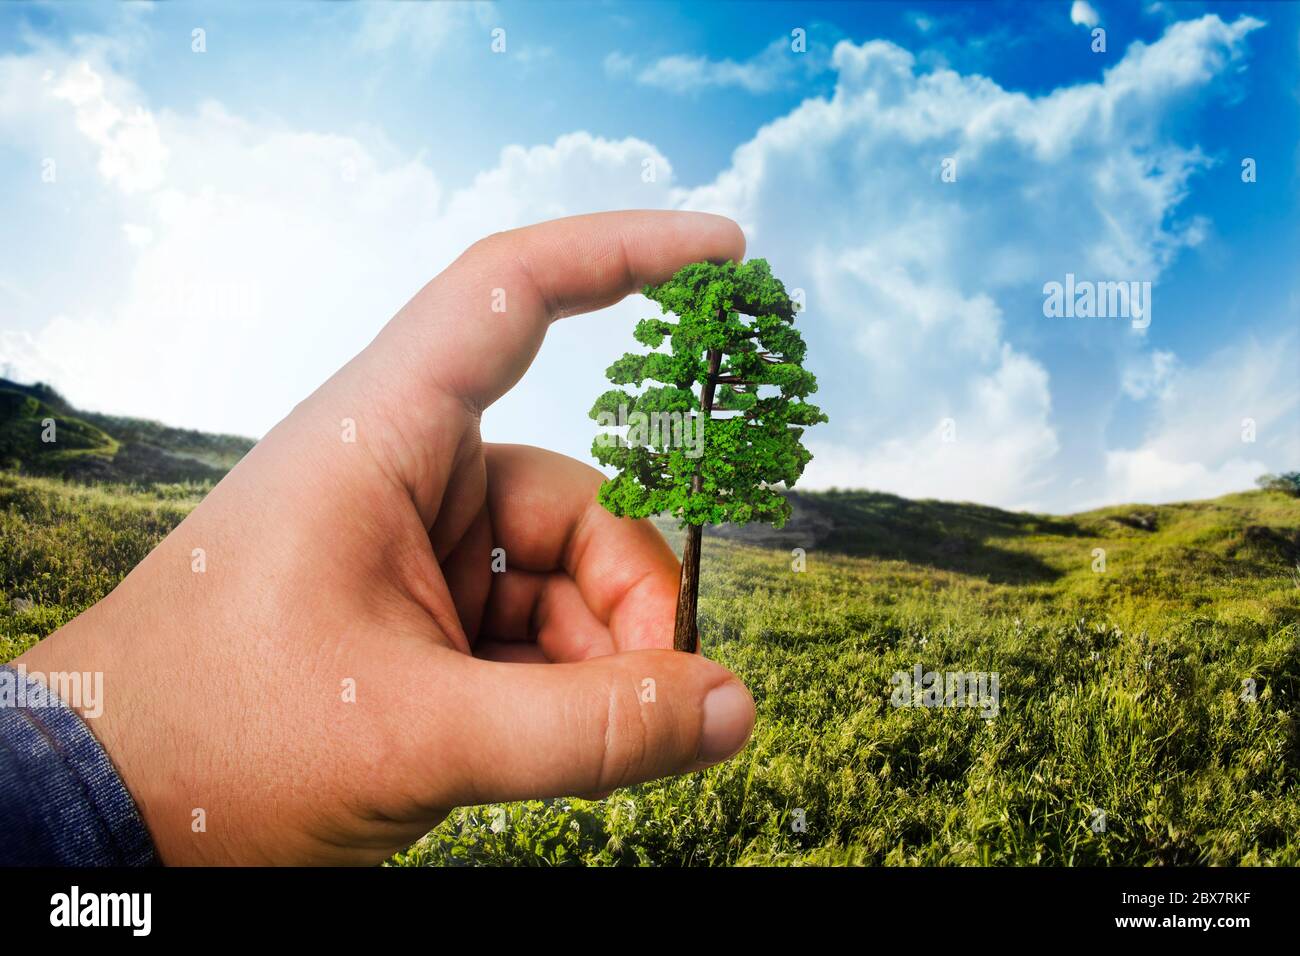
<point x="84" y="655"/>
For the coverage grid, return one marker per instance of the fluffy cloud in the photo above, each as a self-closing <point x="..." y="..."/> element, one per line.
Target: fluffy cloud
<point x="131" y="154"/>
<point x="225" y="225"/>
<point x="908" y="275"/>
<point x="579" y="172"/>
<point x="75" y="112"/>
<point x="257" y="259"/>
<point x="1143" y="475"/>
<point x="1082" y="13"/>
<point x="1217" y="426"/>
<point x="988" y="451"/>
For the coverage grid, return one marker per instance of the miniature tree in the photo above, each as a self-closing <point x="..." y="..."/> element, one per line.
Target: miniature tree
<point x="716" y="454"/>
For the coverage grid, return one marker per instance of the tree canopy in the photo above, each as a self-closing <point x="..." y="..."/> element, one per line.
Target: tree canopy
<point x="733" y="368"/>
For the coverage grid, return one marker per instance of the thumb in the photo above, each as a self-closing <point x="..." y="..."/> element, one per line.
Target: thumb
<point x="544" y="730"/>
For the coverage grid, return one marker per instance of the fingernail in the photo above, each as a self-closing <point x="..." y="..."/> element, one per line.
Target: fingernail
<point x="728" y="720"/>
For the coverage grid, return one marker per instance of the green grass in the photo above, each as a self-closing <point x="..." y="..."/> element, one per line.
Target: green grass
<point x="1121" y="691"/>
<point x="63" y="546"/>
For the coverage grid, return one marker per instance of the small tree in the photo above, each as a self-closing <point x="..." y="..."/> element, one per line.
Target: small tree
<point x="1288" y="481"/>
<point x="715" y="454"/>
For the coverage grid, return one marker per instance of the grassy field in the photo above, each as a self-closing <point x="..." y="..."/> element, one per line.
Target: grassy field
<point x="1121" y="691"/>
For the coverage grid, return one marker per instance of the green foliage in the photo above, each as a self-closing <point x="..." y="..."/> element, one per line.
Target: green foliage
<point x="1288" y="482"/>
<point x="65" y="546"/>
<point x="751" y="445"/>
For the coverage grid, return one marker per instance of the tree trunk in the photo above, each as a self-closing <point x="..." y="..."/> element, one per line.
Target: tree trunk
<point x="685" y="632"/>
<point x="685" y="636"/>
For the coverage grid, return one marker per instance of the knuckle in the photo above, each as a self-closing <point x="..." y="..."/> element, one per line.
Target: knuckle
<point x="592" y="476"/>
<point x="627" y="735"/>
<point x="488" y="245"/>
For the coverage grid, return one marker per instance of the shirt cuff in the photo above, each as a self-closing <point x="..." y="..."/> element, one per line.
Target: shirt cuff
<point x="61" y="801"/>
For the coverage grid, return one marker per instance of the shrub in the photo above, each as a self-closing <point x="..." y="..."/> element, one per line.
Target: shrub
<point x="1288" y="481"/>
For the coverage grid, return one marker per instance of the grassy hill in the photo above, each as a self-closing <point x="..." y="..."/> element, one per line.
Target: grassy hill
<point x="90" y="447"/>
<point x="1121" y="690"/>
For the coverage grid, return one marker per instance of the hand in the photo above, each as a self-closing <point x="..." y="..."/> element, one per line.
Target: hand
<point x="331" y="565"/>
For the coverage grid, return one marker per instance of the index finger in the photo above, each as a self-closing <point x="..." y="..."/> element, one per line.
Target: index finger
<point x="478" y="325"/>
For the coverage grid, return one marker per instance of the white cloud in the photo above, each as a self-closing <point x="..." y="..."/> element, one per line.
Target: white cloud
<point x="579" y="172"/>
<point x="1204" y="408"/>
<point x="1143" y="476"/>
<point x="23" y="359"/>
<point x="73" y="112"/>
<point x="682" y="74"/>
<point x="618" y="64"/>
<point x="262" y="257"/>
<point x="137" y="235"/>
<point x="131" y="155"/>
<point x="986" y="449"/>
<point x="922" y="23"/>
<point x="1082" y="13"/>
<point x="1218" y="427"/>
<point x="777" y="66"/>
<point x="1148" y="373"/>
<point x="422" y="28"/>
<point x="224" y="321"/>
<point x="905" y="272"/>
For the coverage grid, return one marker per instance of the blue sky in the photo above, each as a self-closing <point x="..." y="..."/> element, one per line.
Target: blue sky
<point x="204" y="237"/>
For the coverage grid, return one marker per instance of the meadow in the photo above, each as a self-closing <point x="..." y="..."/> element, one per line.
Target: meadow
<point x="1147" y="712"/>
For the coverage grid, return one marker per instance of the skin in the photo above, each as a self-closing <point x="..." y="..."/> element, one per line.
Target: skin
<point x="370" y="561"/>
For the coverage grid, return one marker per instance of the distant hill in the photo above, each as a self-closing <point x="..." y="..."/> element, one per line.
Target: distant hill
<point x="1253" y="532"/>
<point x="91" y="447"/>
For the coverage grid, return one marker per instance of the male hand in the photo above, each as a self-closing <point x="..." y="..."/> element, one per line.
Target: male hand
<point x="335" y="568"/>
